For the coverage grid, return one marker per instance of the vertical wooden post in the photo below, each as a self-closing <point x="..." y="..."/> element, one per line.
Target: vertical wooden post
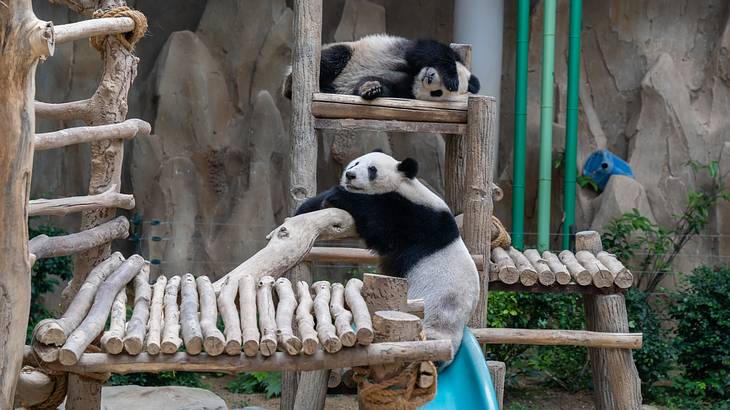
<point x="83" y="393"/>
<point x="480" y="143"/>
<point x="615" y="378"/>
<point x="455" y="152"/>
<point x="24" y="40"/>
<point x="308" y="390"/>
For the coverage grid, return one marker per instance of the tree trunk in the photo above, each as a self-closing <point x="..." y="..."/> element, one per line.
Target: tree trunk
<point x="23" y="40"/>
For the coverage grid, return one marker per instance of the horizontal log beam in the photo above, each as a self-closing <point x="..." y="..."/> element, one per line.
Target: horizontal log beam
<point x="93" y="27"/>
<point x="43" y="246"/>
<point x="350" y="124"/>
<point x="74" y="110"/>
<point x="548" y="337"/>
<point x="498" y="285"/>
<point x="352" y="106"/>
<point x="123" y="130"/>
<point x="357" y="256"/>
<point x="63" y="206"/>
<point x="374" y="354"/>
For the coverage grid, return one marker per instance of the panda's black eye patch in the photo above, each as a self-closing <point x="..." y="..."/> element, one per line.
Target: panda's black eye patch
<point x="437" y="93"/>
<point x="372" y="173"/>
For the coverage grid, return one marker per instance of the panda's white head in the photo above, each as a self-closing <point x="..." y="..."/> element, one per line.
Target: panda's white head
<point x="379" y="173"/>
<point x="428" y="84"/>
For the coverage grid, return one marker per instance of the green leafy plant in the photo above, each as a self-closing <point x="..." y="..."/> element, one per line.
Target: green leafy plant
<point x="45" y="276"/>
<point x="187" y="379"/>
<point x="256" y="382"/>
<point x="583" y="181"/>
<point x="632" y="234"/>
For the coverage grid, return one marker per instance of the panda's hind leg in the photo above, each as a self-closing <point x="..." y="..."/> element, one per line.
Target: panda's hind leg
<point x="372" y="87"/>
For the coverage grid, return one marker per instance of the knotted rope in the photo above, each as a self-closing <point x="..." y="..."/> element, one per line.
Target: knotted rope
<point x="400" y="392"/>
<point x="500" y="236"/>
<point x="128" y="39"/>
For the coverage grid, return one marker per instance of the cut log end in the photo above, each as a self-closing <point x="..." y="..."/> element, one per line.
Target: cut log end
<point x="113" y="345"/>
<point x="214" y="346"/>
<point x="309" y="346"/>
<point x="348" y="339"/>
<point x="267" y="347"/>
<point x="364" y="336"/>
<point x="233" y="348"/>
<point x="50" y="333"/>
<point x="250" y="348"/>
<point x="332" y="345"/>
<point x="194" y="346"/>
<point x="292" y="345"/>
<point x="153" y="349"/>
<point x="133" y="345"/>
<point x="170" y="347"/>
<point x="67" y="357"/>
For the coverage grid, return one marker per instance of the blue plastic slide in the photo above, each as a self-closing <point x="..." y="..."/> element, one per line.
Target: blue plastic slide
<point x="466" y="383"/>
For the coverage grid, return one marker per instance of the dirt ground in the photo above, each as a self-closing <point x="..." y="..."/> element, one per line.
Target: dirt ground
<point x="527" y="398"/>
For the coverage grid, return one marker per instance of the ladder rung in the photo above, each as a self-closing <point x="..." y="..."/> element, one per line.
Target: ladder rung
<point x="90" y="28"/>
<point x="123" y="130"/>
<point x="63" y="206"/>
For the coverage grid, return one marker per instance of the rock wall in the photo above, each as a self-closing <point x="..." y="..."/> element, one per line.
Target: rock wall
<point x="210" y="181"/>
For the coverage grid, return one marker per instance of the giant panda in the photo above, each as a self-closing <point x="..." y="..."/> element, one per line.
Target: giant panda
<point x="381" y="65"/>
<point x="414" y="233"/>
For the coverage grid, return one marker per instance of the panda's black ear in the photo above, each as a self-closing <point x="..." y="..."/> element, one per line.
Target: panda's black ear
<point x="377" y="150"/>
<point x="409" y="167"/>
<point x="473" y="84"/>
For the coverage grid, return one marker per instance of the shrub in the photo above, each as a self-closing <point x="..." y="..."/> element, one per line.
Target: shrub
<point x="256" y="382"/>
<point x="187" y="379"/>
<point x="702" y="316"/>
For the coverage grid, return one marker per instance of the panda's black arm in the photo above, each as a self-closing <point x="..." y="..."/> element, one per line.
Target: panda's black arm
<point x="429" y="53"/>
<point x="332" y="61"/>
<point x="315" y="203"/>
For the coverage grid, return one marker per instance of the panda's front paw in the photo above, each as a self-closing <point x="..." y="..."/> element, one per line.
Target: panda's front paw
<point x="370" y="90"/>
<point x="451" y="82"/>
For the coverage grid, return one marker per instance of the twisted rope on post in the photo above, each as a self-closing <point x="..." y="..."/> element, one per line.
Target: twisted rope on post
<point x="128" y="39"/>
<point x="502" y="238"/>
<point x="400" y="392"/>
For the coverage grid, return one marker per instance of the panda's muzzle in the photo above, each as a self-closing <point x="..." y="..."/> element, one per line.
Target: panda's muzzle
<point x="350" y="175"/>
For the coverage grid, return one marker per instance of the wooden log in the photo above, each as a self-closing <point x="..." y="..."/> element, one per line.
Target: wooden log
<point x="335" y="378"/>
<point x="480" y="143"/>
<point x="93" y="27"/>
<point x="249" y="327"/>
<point x="545" y="276"/>
<point x="455" y="156"/>
<point x="342" y="316"/>
<point x="63" y="206"/>
<point x="349" y="124"/>
<point x="46" y="353"/>
<point x="171" y="341"/>
<point x="74" y="110"/>
<point x="291" y="241"/>
<point x="192" y="334"/>
<point x="82" y="393"/>
<point x="580" y="274"/>
<point x="615" y="378"/>
<point x="569" y="288"/>
<point x="323" y="254"/>
<point x="325" y="330"/>
<point x="156" y="323"/>
<point x="384" y="292"/>
<point x="79" y="135"/>
<point x="267" y="316"/>
<point x="137" y="325"/>
<point x="284" y="316"/>
<point x="549" y="337"/>
<point x="305" y="321"/>
<point x="213" y="339"/>
<point x="416" y="307"/>
<point x="231" y="320"/>
<point x="562" y="276"/>
<point x="622" y="276"/>
<point x="54" y="332"/>
<point x="497" y="371"/>
<point x="374" y="354"/>
<point x="95" y="319"/>
<point x="528" y="275"/>
<point x="360" y="314"/>
<point x="602" y="277"/>
<point x="34" y="387"/>
<point x="506" y="270"/>
<point x="347" y="378"/>
<point x="113" y="339"/>
<point x="352" y="106"/>
<point x="43" y="246"/>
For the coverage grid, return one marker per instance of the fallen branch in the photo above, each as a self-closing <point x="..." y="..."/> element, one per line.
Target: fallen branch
<point x="93" y="324"/>
<point x="43" y="246"/>
<point x="63" y="206"/>
<point x="137" y="326"/>
<point x="291" y="241"/>
<point x="112" y="339"/>
<point x="54" y="332"/>
<point x="79" y="135"/>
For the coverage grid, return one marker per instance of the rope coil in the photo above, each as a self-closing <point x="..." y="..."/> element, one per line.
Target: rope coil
<point x="128" y="39"/>
<point x="500" y="236"/>
<point x="400" y="392"/>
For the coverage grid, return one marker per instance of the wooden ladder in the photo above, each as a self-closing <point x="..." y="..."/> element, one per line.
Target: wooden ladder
<point x="469" y="130"/>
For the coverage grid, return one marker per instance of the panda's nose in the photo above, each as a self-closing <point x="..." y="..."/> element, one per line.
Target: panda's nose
<point x="349" y="175"/>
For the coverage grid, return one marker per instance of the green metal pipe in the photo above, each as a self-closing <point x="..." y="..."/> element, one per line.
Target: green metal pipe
<point x="571" y="127"/>
<point x="520" y="128"/>
<point x="546" y="127"/>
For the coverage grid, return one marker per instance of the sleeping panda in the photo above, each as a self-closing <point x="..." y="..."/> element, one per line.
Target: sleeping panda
<point x="380" y="65"/>
<point x="414" y="233"/>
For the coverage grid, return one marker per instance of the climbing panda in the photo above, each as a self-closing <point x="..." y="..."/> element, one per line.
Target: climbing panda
<point x="414" y="233"/>
<point x="381" y="65"/>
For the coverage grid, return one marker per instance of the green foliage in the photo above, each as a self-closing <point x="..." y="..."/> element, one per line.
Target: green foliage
<point x="256" y="382"/>
<point x="702" y="317"/>
<point x="187" y="379"/>
<point x="583" y="181"/>
<point x="45" y="276"/>
<point x="563" y="366"/>
<point x="633" y="236"/>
